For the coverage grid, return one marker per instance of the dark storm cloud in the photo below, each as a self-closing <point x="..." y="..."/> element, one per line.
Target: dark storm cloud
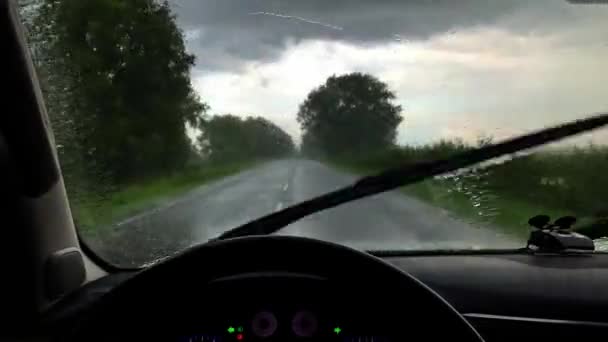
<point x="233" y="31"/>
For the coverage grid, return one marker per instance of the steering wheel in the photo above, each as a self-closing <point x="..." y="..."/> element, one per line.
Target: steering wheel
<point x="210" y="282"/>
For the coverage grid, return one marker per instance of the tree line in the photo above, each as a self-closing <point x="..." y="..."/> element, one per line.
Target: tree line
<point x="229" y="137"/>
<point x="116" y="79"/>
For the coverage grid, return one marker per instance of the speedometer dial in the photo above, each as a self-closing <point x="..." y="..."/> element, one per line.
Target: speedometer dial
<point x="264" y="324"/>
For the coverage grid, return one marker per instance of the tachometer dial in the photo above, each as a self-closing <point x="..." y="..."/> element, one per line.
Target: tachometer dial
<point x="264" y="324"/>
<point x="304" y="324"/>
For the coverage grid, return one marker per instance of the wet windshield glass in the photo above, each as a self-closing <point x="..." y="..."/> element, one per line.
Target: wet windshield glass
<point x="175" y="121"/>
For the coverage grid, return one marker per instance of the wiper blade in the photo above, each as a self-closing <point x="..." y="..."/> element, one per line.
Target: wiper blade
<point x="409" y="174"/>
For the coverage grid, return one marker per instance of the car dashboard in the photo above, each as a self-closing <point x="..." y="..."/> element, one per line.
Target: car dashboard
<point x="506" y="296"/>
<point x="520" y="296"/>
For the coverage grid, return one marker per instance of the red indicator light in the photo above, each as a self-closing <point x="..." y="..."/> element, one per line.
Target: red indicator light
<point x="239" y="337"/>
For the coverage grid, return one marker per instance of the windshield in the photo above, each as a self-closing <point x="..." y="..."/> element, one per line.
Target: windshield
<point x="175" y="121"/>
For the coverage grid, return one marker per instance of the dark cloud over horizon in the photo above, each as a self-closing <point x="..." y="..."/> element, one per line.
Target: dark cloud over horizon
<point x="230" y="32"/>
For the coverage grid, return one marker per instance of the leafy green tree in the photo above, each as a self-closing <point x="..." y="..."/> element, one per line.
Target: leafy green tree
<point x="265" y="139"/>
<point x="349" y="114"/>
<point x="228" y="138"/>
<point x="223" y="138"/>
<point x="117" y="85"/>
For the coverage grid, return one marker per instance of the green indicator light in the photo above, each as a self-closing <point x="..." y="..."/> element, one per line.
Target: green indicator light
<point x="230" y="330"/>
<point x="239" y="329"/>
<point x="337" y="330"/>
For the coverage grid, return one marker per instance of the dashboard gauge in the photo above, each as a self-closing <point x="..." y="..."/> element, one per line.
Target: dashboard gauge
<point x="264" y="324"/>
<point x="304" y="324"/>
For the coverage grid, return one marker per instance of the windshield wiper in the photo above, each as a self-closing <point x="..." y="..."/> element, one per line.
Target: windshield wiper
<point x="409" y="174"/>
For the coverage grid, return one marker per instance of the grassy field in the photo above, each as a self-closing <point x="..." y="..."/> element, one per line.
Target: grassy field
<point x="505" y="195"/>
<point x="96" y="211"/>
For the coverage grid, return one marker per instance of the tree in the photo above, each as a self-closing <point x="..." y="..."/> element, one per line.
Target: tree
<point x="222" y="138"/>
<point x="230" y="138"/>
<point x="267" y="140"/>
<point x="352" y="113"/>
<point x="116" y="81"/>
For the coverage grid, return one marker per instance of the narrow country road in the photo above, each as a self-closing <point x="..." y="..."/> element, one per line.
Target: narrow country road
<point x="386" y="221"/>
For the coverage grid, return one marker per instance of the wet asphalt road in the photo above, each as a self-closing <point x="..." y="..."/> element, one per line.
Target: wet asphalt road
<point x="391" y="220"/>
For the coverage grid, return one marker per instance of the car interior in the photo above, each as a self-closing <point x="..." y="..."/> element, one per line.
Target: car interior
<point x="256" y="288"/>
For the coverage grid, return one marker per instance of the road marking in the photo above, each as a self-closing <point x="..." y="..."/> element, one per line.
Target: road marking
<point x="279" y="206"/>
<point x="285" y="187"/>
<point x="187" y="196"/>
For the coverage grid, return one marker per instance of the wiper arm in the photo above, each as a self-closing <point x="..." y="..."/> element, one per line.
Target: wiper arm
<point x="409" y="174"/>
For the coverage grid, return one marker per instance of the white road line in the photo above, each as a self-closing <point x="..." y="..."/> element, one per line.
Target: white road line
<point x="279" y="206"/>
<point x="285" y="187"/>
<point x="187" y="196"/>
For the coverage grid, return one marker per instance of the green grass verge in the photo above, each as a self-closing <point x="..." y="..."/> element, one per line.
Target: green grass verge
<point x="93" y="214"/>
<point x="508" y="215"/>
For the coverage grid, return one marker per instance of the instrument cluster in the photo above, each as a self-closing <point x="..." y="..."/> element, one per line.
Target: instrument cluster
<point x="269" y="325"/>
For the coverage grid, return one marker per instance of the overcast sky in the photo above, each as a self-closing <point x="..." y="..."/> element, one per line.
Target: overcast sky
<point x="459" y="68"/>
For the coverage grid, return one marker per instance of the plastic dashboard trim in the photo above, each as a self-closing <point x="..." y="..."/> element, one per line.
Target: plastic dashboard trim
<point x="473" y="316"/>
